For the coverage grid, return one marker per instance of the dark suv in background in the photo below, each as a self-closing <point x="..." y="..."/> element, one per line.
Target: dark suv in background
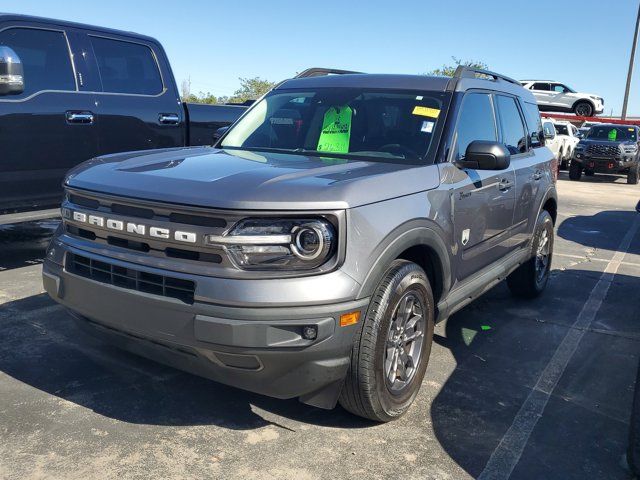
<point x="608" y="148"/>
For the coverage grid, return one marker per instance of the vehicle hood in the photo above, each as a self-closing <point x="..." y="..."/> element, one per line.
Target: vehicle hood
<point x="240" y="179"/>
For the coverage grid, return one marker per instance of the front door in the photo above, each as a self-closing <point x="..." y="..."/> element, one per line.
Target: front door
<point x="136" y="98"/>
<point x="483" y="201"/>
<point x="47" y="129"/>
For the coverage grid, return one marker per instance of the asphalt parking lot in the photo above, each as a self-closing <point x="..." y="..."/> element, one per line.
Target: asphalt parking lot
<point x="526" y="389"/>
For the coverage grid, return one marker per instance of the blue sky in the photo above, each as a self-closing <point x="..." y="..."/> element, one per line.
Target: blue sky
<point x="585" y="43"/>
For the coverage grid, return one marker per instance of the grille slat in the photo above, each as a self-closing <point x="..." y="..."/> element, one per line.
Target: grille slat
<point x="604" y="150"/>
<point x="131" y="279"/>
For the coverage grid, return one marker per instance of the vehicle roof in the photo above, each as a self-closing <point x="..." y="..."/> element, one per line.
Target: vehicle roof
<point x="408" y="82"/>
<point x="615" y="125"/>
<point x="546" y="81"/>
<point x="30" y="19"/>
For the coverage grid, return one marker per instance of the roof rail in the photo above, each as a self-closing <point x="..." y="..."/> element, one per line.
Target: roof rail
<point x="319" y="72"/>
<point x="464" y="71"/>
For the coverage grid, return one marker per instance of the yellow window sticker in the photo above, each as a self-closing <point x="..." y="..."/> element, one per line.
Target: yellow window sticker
<point x="426" y="111"/>
<point x="631" y="129"/>
<point x="336" y="130"/>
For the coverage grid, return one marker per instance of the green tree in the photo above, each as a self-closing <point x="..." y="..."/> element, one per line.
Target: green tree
<point x="447" y="70"/>
<point x="250" y="89"/>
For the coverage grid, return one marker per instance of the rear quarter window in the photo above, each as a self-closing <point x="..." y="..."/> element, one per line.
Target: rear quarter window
<point x="126" y="67"/>
<point x="534" y="125"/>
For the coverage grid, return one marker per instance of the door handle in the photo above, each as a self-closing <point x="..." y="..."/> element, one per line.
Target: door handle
<point x="168" y="118"/>
<point x="537" y="175"/>
<point x="84" y="118"/>
<point x="504" y="185"/>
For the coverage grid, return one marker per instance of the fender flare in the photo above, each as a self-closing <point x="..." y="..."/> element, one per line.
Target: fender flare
<point x="410" y="234"/>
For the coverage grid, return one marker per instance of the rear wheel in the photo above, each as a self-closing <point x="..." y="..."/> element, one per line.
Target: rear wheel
<point x="634" y="174"/>
<point x="391" y="351"/>
<point x="583" y="109"/>
<point x="530" y="279"/>
<point x="575" y="170"/>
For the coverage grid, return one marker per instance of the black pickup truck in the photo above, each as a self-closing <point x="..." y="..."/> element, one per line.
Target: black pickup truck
<point x="70" y="92"/>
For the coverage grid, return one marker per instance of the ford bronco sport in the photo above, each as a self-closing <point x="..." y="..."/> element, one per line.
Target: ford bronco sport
<point x="311" y="251"/>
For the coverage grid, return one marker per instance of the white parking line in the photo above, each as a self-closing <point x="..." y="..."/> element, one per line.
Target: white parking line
<point x="593" y="259"/>
<point x="508" y="452"/>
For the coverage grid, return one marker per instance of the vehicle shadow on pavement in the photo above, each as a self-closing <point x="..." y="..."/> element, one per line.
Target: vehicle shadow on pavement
<point x="42" y="347"/>
<point x="597" y="178"/>
<point x="24" y="244"/>
<point x="501" y="346"/>
<point x="599" y="231"/>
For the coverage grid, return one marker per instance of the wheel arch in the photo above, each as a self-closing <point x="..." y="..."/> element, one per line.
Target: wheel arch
<point x="419" y="243"/>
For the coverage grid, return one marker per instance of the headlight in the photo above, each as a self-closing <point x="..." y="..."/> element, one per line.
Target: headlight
<point x="279" y="244"/>
<point x="630" y="148"/>
<point x="579" y="147"/>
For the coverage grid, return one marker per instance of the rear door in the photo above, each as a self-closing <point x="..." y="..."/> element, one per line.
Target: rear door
<point x="483" y="201"/>
<point x="136" y="97"/>
<point x="532" y="166"/>
<point x="542" y="92"/>
<point x="50" y="127"/>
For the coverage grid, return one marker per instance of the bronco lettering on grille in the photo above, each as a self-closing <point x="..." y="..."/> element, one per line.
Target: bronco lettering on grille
<point x="130" y="227"/>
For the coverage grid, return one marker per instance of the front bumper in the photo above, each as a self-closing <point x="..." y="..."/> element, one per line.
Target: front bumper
<point x="603" y="164"/>
<point x="260" y="349"/>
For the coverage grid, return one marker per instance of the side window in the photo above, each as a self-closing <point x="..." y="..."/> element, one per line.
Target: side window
<point x="126" y="67"/>
<point x="558" y="88"/>
<point x="513" y="133"/>
<point x="476" y="121"/>
<point x="45" y="59"/>
<point x="534" y="125"/>
<point x="541" y="86"/>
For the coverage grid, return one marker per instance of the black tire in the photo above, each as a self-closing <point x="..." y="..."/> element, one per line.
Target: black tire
<point x="366" y="391"/>
<point x="575" y="171"/>
<point x="530" y="279"/>
<point x="633" y="450"/>
<point x="583" y="109"/>
<point x="634" y="174"/>
<point x="560" y="161"/>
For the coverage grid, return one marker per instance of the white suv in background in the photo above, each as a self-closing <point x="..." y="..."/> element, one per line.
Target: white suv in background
<point x="557" y="97"/>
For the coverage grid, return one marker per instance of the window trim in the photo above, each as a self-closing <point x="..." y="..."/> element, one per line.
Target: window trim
<point x="153" y="54"/>
<point x="71" y="62"/>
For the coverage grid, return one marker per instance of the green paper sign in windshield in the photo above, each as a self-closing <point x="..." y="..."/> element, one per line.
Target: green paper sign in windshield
<point x="336" y="130"/>
<point x="613" y="134"/>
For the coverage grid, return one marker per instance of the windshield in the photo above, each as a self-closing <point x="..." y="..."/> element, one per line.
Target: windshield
<point x="613" y="134"/>
<point x="561" y="129"/>
<point x="388" y="126"/>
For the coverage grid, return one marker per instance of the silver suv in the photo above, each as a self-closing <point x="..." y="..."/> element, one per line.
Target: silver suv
<point x="311" y="251"/>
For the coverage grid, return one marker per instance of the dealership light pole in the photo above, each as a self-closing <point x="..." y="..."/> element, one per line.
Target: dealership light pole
<point x="633" y="54"/>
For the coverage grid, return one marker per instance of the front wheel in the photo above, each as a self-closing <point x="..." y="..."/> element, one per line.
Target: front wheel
<point x="583" y="109"/>
<point x="391" y="351"/>
<point x="575" y="170"/>
<point x="530" y="279"/>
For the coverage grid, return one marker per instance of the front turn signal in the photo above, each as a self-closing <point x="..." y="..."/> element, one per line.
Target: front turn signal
<point x="349" y="319"/>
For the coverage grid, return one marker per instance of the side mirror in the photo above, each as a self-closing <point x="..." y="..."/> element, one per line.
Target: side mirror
<point x="550" y="135"/>
<point x="217" y="135"/>
<point x="11" y="72"/>
<point x="486" y="155"/>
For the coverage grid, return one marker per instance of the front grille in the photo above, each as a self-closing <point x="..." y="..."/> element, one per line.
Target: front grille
<point x="130" y="278"/>
<point x="604" y="150"/>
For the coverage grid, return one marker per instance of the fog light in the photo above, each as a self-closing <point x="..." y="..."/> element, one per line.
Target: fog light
<point x="310" y="332"/>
